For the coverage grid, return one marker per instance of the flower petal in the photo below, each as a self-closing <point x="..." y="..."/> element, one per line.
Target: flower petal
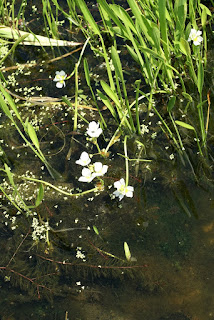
<point x="119" y="183"/>
<point x="62" y="73"/>
<point x="59" y="85"/>
<point x="93" y="129"/>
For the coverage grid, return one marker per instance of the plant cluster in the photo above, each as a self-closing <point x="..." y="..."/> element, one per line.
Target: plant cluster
<point x="158" y="37"/>
<point x="167" y="43"/>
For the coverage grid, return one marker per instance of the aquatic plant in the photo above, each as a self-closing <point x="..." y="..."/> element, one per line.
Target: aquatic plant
<point x="161" y="42"/>
<point x="157" y="37"/>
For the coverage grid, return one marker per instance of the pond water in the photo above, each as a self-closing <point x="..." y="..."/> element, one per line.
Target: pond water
<point x="174" y="279"/>
<point x="80" y="272"/>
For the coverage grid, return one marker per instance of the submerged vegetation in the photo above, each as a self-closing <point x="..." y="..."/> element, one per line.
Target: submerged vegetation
<point x="134" y="94"/>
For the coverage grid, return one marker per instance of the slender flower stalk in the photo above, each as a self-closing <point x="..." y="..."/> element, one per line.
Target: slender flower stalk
<point x="58" y="189"/>
<point x="126" y="161"/>
<point x="97" y="145"/>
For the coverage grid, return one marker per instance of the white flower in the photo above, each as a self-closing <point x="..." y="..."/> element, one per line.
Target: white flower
<point x="80" y="255"/>
<point x="87" y="175"/>
<point x="59" y="78"/>
<point x="122" y="190"/>
<point x="171" y="157"/>
<point x="99" y="169"/>
<point x="84" y="159"/>
<point x="94" y="131"/>
<point x="144" y="129"/>
<point x="195" y="36"/>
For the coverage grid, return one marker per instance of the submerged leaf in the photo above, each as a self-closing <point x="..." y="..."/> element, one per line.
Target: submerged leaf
<point x="11" y="102"/>
<point x="127" y="252"/>
<point x="96" y="230"/>
<point x="9" y="174"/>
<point x="40" y="195"/>
<point x="32" y="135"/>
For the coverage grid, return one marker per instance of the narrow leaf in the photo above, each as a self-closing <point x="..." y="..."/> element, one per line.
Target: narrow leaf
<point x="187" y="96"/>
<point x="31" y="39"/>
<point x="184" y="47"/>
<point x="163" y="25"/>
<point x="87" y="14"/>
<point x="127" y="252"/>
<point x="111" y="14"/>
<point x="87" y="75"/>
<point x="203" y="18"/>
<point x="117" y="63"/>
<point x="5" y="108"/>
<point x="32" y="135"/>
<point x="9" y="174"/>
<point x="200" y="77"/>
<point x="110" y="92"/>
<point x="11" y="102"/>
<point x="133" y="53"/>
<point x="184" y="125"/>
<point x="40" y="195"/>
<point x="107" y="103"/>
<point x="96" y="230"/>
<point x="124" y="17"/>
<point x="203" y="7"/>
<point x="171" y="103"/>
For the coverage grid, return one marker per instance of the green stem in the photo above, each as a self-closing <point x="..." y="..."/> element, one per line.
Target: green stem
<point x="58" y="189"/>
<point x="126" y="161"/>
<point x="176" y="129"/>
<point x="97" y="145"/>
<point x="138" y="82"/>
<point x="111" y="80"/>
<point x="76" y="98"/>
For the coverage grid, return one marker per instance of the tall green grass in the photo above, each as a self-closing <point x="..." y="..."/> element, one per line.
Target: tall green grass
<point x="155" y="33"/>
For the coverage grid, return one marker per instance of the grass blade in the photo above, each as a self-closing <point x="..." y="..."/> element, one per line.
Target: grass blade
<point x="40" y="195"/>
<point x="184" y="125"/>
<point x="87" y="14"/>
<point x="33" y="136"/>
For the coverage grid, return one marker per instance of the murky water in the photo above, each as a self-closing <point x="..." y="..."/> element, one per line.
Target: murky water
<point x="172" y="278"/>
